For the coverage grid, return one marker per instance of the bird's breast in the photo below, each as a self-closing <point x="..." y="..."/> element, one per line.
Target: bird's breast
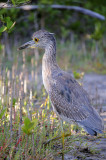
<point x="46" y="78"/>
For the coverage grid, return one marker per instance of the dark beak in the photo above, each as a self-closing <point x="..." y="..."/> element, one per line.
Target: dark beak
<point x="27" y="45"/>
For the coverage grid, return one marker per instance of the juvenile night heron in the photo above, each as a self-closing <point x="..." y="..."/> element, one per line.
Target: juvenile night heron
<point x="69" y="100"/>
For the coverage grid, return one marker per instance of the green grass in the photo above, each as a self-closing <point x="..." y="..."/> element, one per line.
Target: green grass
<point x="27" y="120"/>
<point x="75" y="58"/>
<point x="22" y="145"/>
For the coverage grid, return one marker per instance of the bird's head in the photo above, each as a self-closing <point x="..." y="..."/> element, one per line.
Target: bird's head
<point x="40" y="39"/>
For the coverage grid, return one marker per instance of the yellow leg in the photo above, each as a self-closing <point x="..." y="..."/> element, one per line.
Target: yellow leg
<point x="62" y="136"/>
<point x="63" y="140"/>
<point x="63" y="145"/>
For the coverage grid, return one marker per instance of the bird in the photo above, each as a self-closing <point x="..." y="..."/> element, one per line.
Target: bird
<point x="69" y="100"/>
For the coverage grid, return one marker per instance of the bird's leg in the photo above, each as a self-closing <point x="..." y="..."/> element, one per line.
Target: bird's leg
<point x="62" y="133"/>
<point x="62" y="136"/>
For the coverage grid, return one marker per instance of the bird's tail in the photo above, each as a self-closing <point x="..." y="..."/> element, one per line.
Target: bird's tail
<point x="91" y="131"/>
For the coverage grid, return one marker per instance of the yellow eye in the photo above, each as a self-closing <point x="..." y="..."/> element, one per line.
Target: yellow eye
<point x="36" y="39"/>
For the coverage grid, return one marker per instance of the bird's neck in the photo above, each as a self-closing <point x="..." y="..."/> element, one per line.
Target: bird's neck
<point x="49" y="58"/>
<point x="49" y="64"/>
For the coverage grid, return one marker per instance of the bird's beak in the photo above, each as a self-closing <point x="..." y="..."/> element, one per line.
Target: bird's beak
<point x="29" y="44"/>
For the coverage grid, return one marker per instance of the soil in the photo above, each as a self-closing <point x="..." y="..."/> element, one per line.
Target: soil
<point x="91" y="149"/>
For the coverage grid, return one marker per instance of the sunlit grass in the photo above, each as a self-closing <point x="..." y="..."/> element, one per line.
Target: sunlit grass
<point x="27" y="120"/>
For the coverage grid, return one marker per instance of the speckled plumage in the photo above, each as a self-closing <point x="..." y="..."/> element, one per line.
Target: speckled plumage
<point x="69" y="100"/>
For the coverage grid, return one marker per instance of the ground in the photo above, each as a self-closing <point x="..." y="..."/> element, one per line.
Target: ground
<point x="91" y="149"/>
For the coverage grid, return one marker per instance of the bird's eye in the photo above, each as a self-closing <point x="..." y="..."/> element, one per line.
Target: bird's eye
<point x="36" y="39"/>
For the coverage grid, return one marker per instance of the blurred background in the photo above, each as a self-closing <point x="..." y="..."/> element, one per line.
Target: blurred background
<point x="81" y="38"/>
<point x="81" y="50"/>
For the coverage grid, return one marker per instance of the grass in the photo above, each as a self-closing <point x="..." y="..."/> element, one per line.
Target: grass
<point x="27" y="120"/>
<point x="75" y="58"/>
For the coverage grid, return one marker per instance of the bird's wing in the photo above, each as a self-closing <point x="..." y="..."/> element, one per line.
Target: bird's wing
<point x="69" y="99"/>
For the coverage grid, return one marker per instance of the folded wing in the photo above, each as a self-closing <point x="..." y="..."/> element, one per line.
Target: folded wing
<point x="71" y="102"/>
